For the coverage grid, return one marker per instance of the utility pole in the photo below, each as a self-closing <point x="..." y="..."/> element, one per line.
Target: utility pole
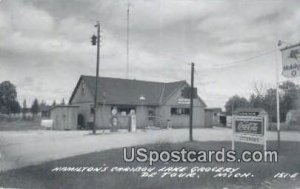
<point x="191" y="101"/>
<point x="96" y="41"/>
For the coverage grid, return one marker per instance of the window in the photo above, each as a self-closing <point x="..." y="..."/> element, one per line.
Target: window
<point x="173" y="111"/>
<point x="124" y="110"/>
<point x="151" y="115"/>
<point x="180" y="111"/>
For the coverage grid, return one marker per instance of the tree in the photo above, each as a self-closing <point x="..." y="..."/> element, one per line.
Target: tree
<point x="289" y="85"/>
<point x="54" y="103"/>
<point x="43" y="105"/>
<point x="269" y="104"/>
<point x="256" y="101"/>
<point x="15" y="107"/>
<point x="287" y="103"/>
<point x="63" y="101"/>
<point x="290" y="94"/>
<point x="234" y="103"/>
<point x="266" y="99"/>
<point x="24" y="108"/>
<point x="259" y="88"/>
<point x="35" y="108"/>
<point x="8" y="98"/>
<point x="288" y="100"/>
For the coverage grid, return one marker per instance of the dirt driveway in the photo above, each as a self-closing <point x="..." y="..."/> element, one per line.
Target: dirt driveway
<point x="23" y="148"/>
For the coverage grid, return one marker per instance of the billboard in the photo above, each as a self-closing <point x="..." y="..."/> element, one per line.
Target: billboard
<point x="249" y="125"/>
<point x="249" y="129"/>
<point x="291" y="61"/>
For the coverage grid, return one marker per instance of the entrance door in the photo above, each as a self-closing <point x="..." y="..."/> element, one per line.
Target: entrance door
<point x="151" y="116"/>
<point x="80" y="121"/>
<point x="65" y="125"/>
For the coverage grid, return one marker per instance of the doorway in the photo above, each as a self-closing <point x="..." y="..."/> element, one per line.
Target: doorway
<point x="151" y="117"/>
<point x="80" y="122"/>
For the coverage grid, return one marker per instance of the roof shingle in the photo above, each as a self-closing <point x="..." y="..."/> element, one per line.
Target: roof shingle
<point x="128" y="92"/>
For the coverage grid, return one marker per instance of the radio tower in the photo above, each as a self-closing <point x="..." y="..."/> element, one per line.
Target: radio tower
<point x="127" y="42"/>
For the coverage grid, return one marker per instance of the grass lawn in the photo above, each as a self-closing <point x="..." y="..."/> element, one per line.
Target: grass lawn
<point x="42" y="176"/>
<point x="20" y="125"/>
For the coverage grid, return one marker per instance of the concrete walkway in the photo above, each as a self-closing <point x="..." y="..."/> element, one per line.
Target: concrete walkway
<point x="23" y="148"/>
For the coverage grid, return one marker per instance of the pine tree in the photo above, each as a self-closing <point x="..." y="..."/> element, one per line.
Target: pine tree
<point x="24" y="108"/>
<point x="54" y="103"/>
<point x="63" y="102"/>
<point x="35" y="108"/>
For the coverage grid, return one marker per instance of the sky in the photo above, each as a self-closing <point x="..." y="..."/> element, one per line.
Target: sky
<point x="45" y="44"/>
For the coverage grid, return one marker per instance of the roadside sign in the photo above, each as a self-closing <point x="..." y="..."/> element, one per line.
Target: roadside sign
<point x="249" y="139"/>
<point x="249" y="113"/>
<point x="249" y="125"/>
<point x="290" y="61"/>
<point x="249" y="129"/>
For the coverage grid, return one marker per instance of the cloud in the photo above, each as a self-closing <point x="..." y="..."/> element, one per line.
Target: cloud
<point x="20" y="17"/>
<point x="45" y="45"/>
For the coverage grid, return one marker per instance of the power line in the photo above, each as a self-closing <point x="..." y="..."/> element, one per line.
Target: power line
<point x="241" y="61"/>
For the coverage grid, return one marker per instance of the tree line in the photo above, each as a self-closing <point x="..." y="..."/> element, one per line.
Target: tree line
<point x="266" y="99"/>
<point x="10" y="105"/>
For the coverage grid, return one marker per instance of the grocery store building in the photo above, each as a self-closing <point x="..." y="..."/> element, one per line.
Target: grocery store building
<point x="155" y="104"/>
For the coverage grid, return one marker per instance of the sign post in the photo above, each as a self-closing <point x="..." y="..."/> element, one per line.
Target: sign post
<point x="191" y="102"/>
<point x="249" y="127"/>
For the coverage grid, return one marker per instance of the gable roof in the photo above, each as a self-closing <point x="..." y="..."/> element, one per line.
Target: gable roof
<point x="128" y="92"/>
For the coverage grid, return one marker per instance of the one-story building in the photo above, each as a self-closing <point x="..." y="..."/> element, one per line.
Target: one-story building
<point x="212" y="116"/>
<point x="154" y="103"/>
<point x="64" y="117"/>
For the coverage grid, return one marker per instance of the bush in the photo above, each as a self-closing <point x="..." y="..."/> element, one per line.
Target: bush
<point x="283" y="127"/>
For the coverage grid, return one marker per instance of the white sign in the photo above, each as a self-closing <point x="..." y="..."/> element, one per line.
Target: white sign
<point x="249" y="139"/>
<point x="183" y="101"/>
<point x="249" y="129"/>
<point x="291" y="61"/>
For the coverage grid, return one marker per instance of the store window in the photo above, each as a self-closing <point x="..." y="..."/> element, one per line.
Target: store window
<point x="125" y="110"/>
<point x="180" y="111"/>
<point x="151" y="115"/>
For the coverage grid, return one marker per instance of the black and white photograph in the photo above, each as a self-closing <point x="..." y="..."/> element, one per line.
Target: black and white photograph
<point x="149" y="94"/>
